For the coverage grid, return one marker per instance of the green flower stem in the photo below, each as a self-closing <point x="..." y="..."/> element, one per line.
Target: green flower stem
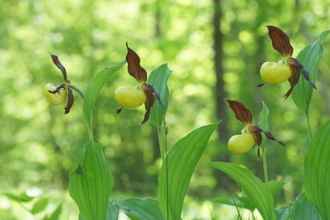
<point x="309" y="127"/>
<point x="162" y="138"/>
<point x="75" y="88"/>
<point x="264" y="161"/>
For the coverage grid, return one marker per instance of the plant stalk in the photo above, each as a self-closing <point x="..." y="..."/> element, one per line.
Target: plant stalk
<point x="162" y="138"/>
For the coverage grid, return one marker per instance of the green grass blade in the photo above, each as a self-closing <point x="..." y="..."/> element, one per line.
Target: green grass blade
<point x="317" y="170"/>
<point x="253" y="187"/>
<point x="94" y="88"/>
<point x="309" y="57"/>
<point x="181" y="160"/>
<point x="140" y="209"/>
<point x="304" y="209"/>
<point x="158" y="78"/>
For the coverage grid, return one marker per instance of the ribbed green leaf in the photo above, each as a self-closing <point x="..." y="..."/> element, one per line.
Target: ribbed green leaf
<point x="39" y="205"/>
<point x="91" y="182"/>
<point x="317" y="170"/>
<point x="112" y="211"/>
<point x="158" y="78"/>
<point x="242" y="202"/>
<point x="181" y="162"/>
<point x="309" y="57"/>
<point x="252" y="186"/>
<point x="140" y="209"/>
<point x="304" y="209"/>
<point x="284" y="212"/>
<point x="94" y="88"/>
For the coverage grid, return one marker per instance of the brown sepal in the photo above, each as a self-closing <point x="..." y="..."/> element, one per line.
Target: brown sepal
<point x="134" y="68"/>
<point x="280" y="41"/>
<point x="148" y="104"/>
<point x="256" y="132"/>
<point x="70" y="101"/>
<point x="59" y="65"/>
<point x="295" y="74"/>
<point x="119" y="110"/>
<point x="294" y="62"/>
<point x="241" y="113"/>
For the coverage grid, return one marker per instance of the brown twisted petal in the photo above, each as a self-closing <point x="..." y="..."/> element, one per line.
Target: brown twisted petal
<point x="280" y="41"/>
<point x="295" y="74"/>
<point x="70" y="101"/>
<point x="148" y="104"/>
<point x="59" y="65"/>
<point x="241" y="113"/>
<point x="134" y="68"/>
<point x="255" y="130"/>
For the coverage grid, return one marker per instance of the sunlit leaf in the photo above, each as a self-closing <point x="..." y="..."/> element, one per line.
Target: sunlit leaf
<point x="39" y="205"/>
<point x="280" y="41"/>
<point x="317" y="169"/>
<point x="181" y="162"/>
<point x="23" y="197"/>
<point x="158" y="79"/>
<point x="94" y="88"/>
<point x="91" y="182"/>
<point x="304" y="209"/>
<point x="309" y="57"/>
<point x="252" y="186"/>
<point x="140" y="209"/>
<point x="241" y="202"/>
<point x="55" y="215"/>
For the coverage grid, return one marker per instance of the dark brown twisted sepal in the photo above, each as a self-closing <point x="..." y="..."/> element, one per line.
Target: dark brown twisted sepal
<point x="256" y="131"/>
<point x="241" y="113"/>
<point x="280" y="41"/>
<point x="296" y="68"/>
<point x="70" y="101"/>
<point x="59" y="65"/>
<point x="134" y="68"/>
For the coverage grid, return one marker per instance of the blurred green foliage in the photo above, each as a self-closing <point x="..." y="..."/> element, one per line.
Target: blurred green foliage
<point x="38" y="143"/>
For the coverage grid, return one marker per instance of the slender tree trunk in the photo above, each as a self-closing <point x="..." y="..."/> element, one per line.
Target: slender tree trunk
<point x="223" y="181"/>
<point x="220" y="93"/>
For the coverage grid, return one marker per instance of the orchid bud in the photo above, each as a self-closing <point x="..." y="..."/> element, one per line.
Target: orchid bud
<point x="130" y="97"/>
<point x="55" y="95"/>
<point x="241" y="143"/>
<point x="272" y="72"/>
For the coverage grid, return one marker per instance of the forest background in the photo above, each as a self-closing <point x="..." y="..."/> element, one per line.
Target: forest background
<point x="215" y="49"/>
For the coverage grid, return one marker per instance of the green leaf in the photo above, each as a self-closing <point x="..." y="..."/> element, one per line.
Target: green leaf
<point x="39" y="205"/>
<point x="112" y="211"/>
<point x="253" y="187"/>
<point x="317" y="169"/>
<point x="284" y="212"/>
<point x="263" y="117"/>
<point x="274" y="186"/>
<point x="181" y="162"/>
<point x="158" y="79"/>
<point x="140" y="209"/>
<point x="309" y="57"/>
<point x="91" y="182"/>
<point x="23" y="197"/>
<point x="94" y="88"/>
<point x="56" y="214"/>
<point x="304" y="209"/>
<point x="242" y="202"/>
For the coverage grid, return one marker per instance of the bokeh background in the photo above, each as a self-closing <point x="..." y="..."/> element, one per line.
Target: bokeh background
<point x="38" y="143"/>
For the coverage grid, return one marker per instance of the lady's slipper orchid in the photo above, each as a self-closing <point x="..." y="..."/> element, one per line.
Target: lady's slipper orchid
<point x="57" y="95"/>
<point x="244" y="142"/>
<point x="142" y="93"/>
<point x="287" y="68"/>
